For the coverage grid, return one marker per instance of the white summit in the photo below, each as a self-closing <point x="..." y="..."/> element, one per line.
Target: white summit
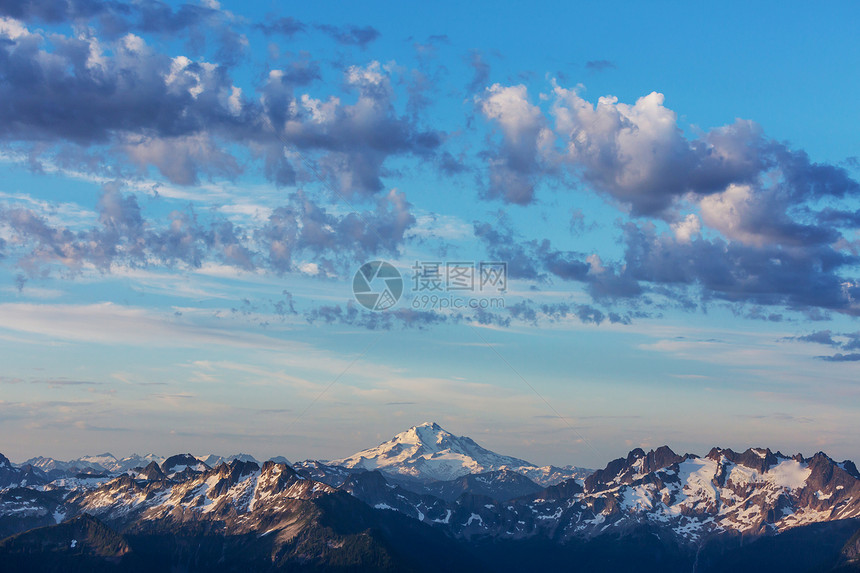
<point x="430" y="453"/>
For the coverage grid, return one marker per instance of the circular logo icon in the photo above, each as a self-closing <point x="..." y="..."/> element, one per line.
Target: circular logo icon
<point x="377" y="285"/>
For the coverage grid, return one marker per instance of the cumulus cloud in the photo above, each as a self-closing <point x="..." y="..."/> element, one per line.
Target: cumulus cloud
<point x="768" y="275"/>
<point x="181" y="115"/>
<point x="117" y="17"/>
<point x="748" y="187"/>
<point x="635" y="154"/>
<point x="687" y="229"/>
<point x="735" y="216"/>
<point x="759" y="217"/>
<point x="638" y="155"/>
<point x="538" y="261"/>
<point x="180" y="159"/>
<point x="679" y="265"/>
<point x="532" y="259"/>
<point x="132" y="98"/>
<point x="123" y="236"/>
<point x="358" y="138"/>
<point x="515" y="164"/>
<point x="204" y="28"/>
<point x="739" y="205"/>
<point x="304" y="226"/>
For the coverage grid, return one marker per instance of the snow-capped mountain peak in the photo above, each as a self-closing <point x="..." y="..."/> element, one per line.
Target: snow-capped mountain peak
<point x="182" y="463"/>
<point x="214" y="460"/>
<point x="105" y="460"/>
<point x="427" y="433"/>
<point x="428" y="452"/>
<point x="101" y="463"/>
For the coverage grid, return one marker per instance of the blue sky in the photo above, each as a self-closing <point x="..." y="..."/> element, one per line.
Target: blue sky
<point x="186" y="192"/>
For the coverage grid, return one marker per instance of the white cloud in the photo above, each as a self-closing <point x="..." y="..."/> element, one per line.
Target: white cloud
<point x="527" y="142"/>
<point x="687" y="228"/>
<point x="309" y="268"/>
<point x="234" y="101"/>
<point x="133" y="44"/>
<point x="631" y="151"/>
<point x="726" y="212"/>
<point x="112" y="324"/>
<point x="511" y="108"/>
<point x="13" y="29"/>
<point x="596" y="264"/>
<point x="440" y="226"/>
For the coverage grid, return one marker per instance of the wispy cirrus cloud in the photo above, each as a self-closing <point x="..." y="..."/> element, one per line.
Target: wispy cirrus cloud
<point x="113" y="324"/>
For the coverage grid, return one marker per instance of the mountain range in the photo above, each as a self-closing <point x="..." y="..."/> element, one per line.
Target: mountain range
<point x="428" y="500"/>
